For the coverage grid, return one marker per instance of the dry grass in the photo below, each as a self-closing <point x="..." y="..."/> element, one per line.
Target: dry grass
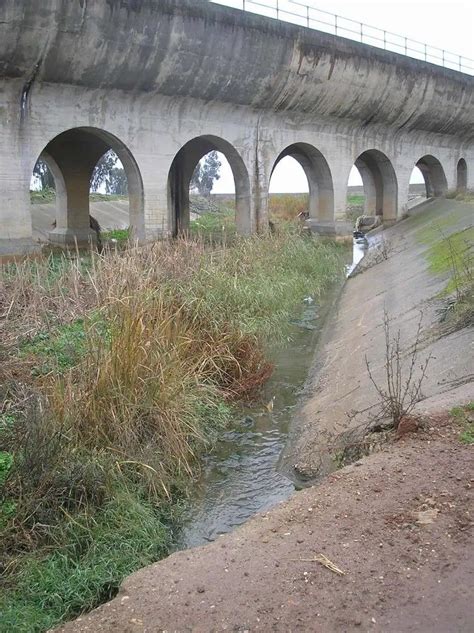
<point x="118" y="371"/>
<point x="286" y="207"/>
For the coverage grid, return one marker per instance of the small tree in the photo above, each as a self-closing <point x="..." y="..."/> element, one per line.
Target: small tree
<point x="206" y="172"/>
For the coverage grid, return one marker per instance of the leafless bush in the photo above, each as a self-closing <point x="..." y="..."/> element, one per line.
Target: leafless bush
<point x="401" y="389"/>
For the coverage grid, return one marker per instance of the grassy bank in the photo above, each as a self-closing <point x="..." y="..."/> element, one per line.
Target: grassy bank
<point x="45" y="196"/>
<point x="450" y="254"/>
<point x="117" y="373"/>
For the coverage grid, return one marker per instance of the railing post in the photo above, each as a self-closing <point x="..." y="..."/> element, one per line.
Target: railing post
<point x="307" y="15"/>
<point x="243" y="5"/>
<point x="406" y="46"/>
<point x="460" y="63"/>
<point x="278" y="10"/>
<point x="361" y="32"/>
<point x="335" y="24"/>
<point x="426" y="54"/>
<point x="385" y="40"/>
<point x="443" y="59"/>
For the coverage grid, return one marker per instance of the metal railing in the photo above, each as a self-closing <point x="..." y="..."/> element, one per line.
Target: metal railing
<point x="304" y="14"/>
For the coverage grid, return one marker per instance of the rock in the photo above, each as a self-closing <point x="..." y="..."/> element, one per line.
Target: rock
<point x="408" y="424"/>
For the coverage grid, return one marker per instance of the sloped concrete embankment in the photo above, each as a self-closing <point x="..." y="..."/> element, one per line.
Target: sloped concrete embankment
<point x="340" y="395"/>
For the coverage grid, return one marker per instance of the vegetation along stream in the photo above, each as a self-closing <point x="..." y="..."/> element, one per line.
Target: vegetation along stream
<point x="122" y="383"/>
<point x="240" y="477"/>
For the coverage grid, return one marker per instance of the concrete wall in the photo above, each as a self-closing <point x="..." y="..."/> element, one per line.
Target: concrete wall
<point x="149" y="77"/>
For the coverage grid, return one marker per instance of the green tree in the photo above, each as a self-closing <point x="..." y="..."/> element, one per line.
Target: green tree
<point x="206" y="172"/>
<point x="43" y="174"/>
<point x="109" y="172"/>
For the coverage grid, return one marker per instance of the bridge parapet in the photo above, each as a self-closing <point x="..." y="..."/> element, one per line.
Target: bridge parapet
<point x="198" y="49"/>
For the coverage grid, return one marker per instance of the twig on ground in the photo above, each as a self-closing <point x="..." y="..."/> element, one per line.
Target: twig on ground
<point x="325" y="562"/>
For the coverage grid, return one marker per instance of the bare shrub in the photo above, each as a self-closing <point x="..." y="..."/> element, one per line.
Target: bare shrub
<point x="401" y="389"/>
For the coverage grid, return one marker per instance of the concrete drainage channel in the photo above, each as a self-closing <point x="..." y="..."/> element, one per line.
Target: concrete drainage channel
<point x="241" y="477"/>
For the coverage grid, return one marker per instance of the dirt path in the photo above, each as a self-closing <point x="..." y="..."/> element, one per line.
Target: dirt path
<point x="399" y="523"/>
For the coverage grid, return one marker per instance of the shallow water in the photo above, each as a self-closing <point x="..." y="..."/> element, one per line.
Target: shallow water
<point x="359" y="250"/>
<point x="240" y="477"/>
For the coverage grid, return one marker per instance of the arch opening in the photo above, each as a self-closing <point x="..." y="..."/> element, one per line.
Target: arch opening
<point x="416" y="187"/>
<point x="80" y="162"/>
<point x="311" y="184"/>
<point x="183" y="171"/>
<point x="436" y="184"/>
<point x="461" y="175"/>
<point x="379" y="185"/>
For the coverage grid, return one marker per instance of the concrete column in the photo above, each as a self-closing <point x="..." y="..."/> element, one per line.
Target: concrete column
<point x="72" y="206"/>
<point x="16" y="236"/>
<point x="461" y="179"/>
<point x="403" y="174"/>
<point x="372" y="201"/>
<point x="15" y="217"/>
<point x="340" y="175"/>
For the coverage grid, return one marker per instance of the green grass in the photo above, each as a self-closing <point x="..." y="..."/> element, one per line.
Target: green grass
<point x="356" y="199"/>
<point x="430" y="233"/>
<point x="121" y="236"/>
<point x="45" y="196"/>
<point x="258" y="283"/>
<point x="465" y="415"/>
<point x="126" y="534"/>
<point x="214" y="227"/>
<point x="450" y="251"/>
<point x="450" y="254"/>
<point x="57" y="350"/>
<point x="106" y="197"/>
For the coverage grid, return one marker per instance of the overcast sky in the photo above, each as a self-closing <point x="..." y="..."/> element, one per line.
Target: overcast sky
<point x="447" y="25"/>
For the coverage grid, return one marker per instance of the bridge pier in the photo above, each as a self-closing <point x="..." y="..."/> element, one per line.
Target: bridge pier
<point x="16" y="236"/>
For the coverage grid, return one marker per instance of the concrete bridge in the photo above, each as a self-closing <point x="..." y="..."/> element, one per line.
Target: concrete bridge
<point x="162" y="82"/>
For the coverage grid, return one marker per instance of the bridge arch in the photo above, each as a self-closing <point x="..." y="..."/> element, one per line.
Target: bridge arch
<point x="318" y="174"/>
<point x="180" y="174"/>
<point x="433" y="174"/>
<point x="71" y="157"/>
<point x="380" y="184"/>
<point x="461" y="175"/>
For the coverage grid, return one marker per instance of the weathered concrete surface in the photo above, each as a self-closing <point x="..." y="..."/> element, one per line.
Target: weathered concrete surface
<point x="204" y="51"/>
<point x="404" y="287"/>
<point x="151" y="78"/>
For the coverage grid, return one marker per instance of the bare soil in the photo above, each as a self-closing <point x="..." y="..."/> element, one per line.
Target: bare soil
<point x="398" y="523"/>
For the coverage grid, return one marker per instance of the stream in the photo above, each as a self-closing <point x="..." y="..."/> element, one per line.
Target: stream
<point x="240" y="476"/>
